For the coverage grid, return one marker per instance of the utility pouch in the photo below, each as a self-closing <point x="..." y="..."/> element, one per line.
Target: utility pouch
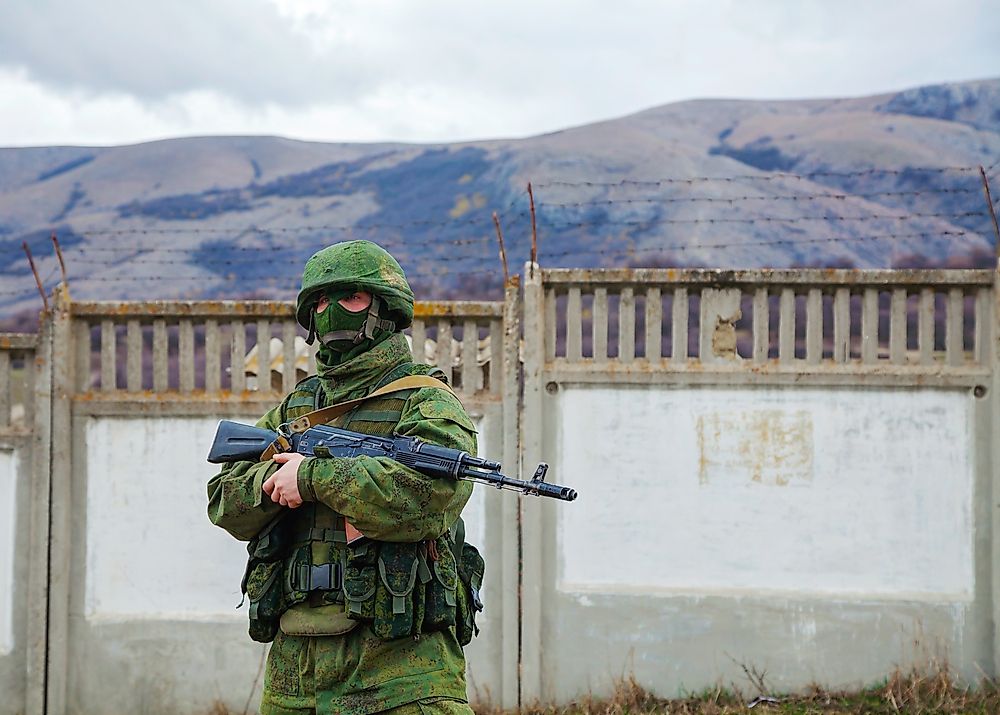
<point x="270" y="544"/>
<point x="329" y="620"/>
<point x="261" y="580"/>
<point x="360" y="577"/>
<point x="263" y="587"/>
<point x="399" y="606"/>
<point x="441" y="589"/>
<point x="471" y="569"/>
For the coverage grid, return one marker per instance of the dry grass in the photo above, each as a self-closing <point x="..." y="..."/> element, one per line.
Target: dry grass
<point x="928" y="692"/>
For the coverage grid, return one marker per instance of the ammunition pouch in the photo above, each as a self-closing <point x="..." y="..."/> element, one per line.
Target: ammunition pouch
<point x="262" y="582"/>
<point x="441" y="589"/>
<point x="400" y="589"/>
<point x="399" y="605"/>
<point x="404" y="589"/>
<point x="471" y="569"/>
<point x="360" y="579"/>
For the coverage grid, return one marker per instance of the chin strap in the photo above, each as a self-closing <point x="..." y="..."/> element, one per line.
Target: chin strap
<point x="373" y="322"/>
<point x="311" y="338"/>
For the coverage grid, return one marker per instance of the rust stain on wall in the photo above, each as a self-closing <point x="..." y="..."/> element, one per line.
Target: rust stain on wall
<point x="767" y="447"/>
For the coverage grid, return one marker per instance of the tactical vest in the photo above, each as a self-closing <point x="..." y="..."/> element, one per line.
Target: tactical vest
<point x="302" y="560"/>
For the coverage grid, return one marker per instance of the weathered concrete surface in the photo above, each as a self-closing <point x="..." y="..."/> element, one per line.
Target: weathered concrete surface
<point x="482" y="524"/>
<point x="8" y="533"/>
<point x="677" y="644"/>
<point x="153" y="624"/>
<point x="806" y="492"/>
<point x="821" y="535"/>
<point x="151" y="551"/>
<point x="161" y="667"/>
<point x="14" y="513"/>
<point x="720" y="309"/>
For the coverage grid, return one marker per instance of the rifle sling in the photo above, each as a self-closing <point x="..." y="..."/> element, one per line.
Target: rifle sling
<point x="328" y="414"/>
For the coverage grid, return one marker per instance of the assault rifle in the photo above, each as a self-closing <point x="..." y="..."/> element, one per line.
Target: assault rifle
<point x="235" y="442"/>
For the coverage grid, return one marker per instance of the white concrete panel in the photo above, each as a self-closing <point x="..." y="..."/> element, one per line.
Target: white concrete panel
<point x="801" y="491"/>
<point x="8" y="515"/>
<point x="151" y="550"/>
<point x="474" y="513"/>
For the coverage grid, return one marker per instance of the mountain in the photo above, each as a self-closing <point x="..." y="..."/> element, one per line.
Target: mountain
<point x="874" y="181"/>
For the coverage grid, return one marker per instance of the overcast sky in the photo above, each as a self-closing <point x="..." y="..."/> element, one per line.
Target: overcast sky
<point x="119" y="71"/>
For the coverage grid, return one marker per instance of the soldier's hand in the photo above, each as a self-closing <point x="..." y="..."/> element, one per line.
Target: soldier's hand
<point x="283" y="485"/>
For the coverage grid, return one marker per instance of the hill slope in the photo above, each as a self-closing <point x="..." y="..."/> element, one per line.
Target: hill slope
<point x="709" y="182"/>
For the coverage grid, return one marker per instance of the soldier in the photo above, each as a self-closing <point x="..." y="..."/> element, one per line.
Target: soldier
<point x="358" y="571"/>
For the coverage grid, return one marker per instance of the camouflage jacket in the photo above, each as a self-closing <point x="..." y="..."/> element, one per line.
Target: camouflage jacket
<point x="356" y="672"/>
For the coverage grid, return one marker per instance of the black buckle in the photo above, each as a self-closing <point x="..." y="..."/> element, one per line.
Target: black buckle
<point x="323" y="577"/>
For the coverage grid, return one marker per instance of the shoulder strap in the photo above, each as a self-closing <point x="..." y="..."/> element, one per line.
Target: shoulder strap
<point x="322" y="416"/>
<point x="318" y="417"/>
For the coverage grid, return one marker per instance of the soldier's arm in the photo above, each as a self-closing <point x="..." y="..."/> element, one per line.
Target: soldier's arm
<point x="382" y="498"/>
<point x="235" y="499"/>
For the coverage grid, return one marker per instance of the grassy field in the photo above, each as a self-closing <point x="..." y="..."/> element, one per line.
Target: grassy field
<point x="914" y="693"/>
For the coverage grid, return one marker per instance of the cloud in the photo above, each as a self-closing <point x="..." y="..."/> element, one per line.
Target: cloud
<point x="53" y="117"/>
<point x="439" y="70"/>
<point x="241" y="48"/>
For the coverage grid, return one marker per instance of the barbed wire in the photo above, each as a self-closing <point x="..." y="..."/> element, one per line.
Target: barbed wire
<point x="348" y="228"/>
<point x="200" y="260"/>
<point x="232" y="278"/>
<point x="34" y="289"/>
<point x="546" y="220"/>
<point x="762" y="219"/>
<point x="438" y="270"/>
<point x="772" y="176"/>
<point x="770" y="242"/>
<point x="441" y="271"/>
<point x="992" y="166"/>
<point x="548" y="215"/>
<point x="487" y="220"/>
<point x="737" y="199"/>
<point x="22" y="291"/>
<point x="259" y="249"/>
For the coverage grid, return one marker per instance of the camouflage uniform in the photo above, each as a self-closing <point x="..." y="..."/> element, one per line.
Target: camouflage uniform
<point x="356" y="672"/>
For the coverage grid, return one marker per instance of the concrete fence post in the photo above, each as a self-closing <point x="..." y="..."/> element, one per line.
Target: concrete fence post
<point x="510" y="528"/>
<point x="992" y="358"/>
<point x="61" y="502"/>
<point x="38" y="538"/>
<point x="532" y="531"/>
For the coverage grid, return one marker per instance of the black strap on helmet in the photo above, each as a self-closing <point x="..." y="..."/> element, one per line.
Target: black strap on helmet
<point x="374" y="322"/>
<point x="311" y="338"/>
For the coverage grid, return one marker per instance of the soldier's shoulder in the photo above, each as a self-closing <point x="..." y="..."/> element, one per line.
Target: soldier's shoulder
<point x="309" y="383"/>
<point x="434" y="403"/>
<point x="415" y="368"/>
<point x="302" y="396"/>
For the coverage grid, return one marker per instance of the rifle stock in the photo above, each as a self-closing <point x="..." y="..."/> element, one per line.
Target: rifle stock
<point x="235" y="442"/>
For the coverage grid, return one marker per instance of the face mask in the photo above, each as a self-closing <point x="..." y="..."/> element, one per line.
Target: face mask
<point x="338" y="328"/>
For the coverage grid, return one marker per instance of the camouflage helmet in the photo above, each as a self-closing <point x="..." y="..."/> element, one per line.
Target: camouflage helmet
<point x="356" y="265"/>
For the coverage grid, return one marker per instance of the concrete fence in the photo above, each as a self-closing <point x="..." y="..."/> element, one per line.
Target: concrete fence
<point x="17" y="513"/>
<point x="790" y="470"/>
